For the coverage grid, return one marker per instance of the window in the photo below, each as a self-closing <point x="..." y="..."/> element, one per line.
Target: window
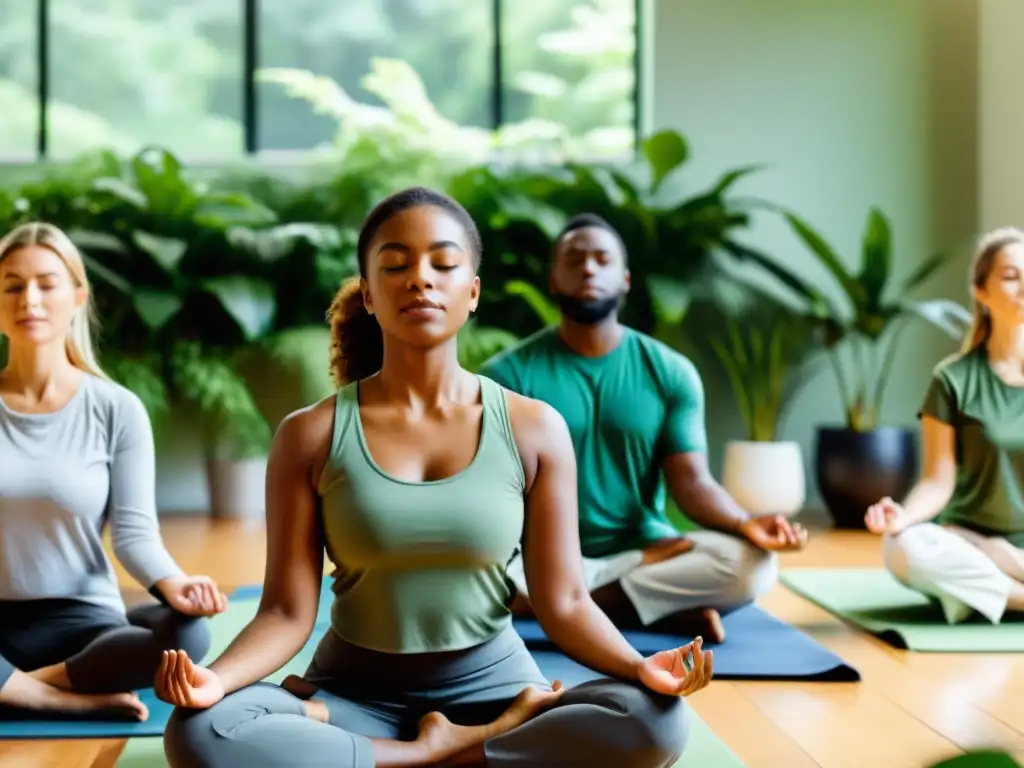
<point x="19" y="80"/>
<point x="127" y="74"/>
<point x="572" y="64"/>
<point x="212" y="80"/>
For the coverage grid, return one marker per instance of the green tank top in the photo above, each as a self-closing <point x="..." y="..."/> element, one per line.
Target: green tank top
<point x="420" y="567"/>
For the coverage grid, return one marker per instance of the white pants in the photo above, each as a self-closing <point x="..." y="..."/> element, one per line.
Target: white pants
<point x="721" y="571"/>
<point x="963" y="570"/>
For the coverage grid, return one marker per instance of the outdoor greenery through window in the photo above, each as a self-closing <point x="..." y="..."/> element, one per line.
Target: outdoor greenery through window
<point x="555" y="76"/>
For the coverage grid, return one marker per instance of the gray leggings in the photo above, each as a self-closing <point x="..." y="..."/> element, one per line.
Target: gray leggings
<point x="106" y="651"/>
<point x="602" y="723"/>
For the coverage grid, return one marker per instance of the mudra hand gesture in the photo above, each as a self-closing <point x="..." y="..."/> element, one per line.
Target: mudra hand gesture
<point x="667" y="672"/>
<point x="180" y="682"/>
<point x="193" y="595"/>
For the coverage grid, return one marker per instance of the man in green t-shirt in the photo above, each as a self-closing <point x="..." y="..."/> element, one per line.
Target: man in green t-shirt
<point x="635" y="409"/>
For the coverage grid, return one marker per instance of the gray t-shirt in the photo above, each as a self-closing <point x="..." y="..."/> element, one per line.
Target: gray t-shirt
<point x="63" y="477"/>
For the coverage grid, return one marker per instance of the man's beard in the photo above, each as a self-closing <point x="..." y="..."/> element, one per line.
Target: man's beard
<point x="587" y="311"/>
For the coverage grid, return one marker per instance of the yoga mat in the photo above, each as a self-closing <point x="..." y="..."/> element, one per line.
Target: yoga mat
<point x="757" y="646"/>
<point x="873" y="600"/>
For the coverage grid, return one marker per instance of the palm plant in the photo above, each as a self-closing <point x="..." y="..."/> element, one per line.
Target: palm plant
<point x="872" y="322"/>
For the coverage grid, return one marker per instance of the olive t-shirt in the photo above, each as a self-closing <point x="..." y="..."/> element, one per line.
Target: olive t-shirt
<point x="987" y="415"/>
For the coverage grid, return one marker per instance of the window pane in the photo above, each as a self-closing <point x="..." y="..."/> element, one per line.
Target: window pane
<point x="447" y="43"/>
<point x="571" y="63"/>
<point x="127" y="73"/>
<point x="19" y="82"/>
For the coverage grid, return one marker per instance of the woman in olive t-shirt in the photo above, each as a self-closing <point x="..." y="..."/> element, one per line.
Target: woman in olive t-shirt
<point x="972" y="423"/>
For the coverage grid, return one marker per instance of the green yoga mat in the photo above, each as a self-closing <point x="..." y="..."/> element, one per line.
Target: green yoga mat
<point x="705" y="748"/>
<point x="873" y="600"/>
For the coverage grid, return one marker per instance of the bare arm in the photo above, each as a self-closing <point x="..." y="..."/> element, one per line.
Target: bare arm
<point x="934" y="489"/>
<point x="695" y="490"/>
<point x="295" y="556"/>
<point x="552" y="556"/>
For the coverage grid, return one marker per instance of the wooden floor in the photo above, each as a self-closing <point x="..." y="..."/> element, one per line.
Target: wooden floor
<point x="909" y="711"/>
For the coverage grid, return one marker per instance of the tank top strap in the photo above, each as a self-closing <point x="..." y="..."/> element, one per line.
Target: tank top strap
<point x="345" y="431"/>
<point x="495" y="404"/>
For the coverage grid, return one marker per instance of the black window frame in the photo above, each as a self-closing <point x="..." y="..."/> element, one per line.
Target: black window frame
<point x="250" y="53"/>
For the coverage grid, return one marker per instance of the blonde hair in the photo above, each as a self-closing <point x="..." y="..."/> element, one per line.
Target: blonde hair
<point x="79" y="343"/>
<point x="982" y="263"/>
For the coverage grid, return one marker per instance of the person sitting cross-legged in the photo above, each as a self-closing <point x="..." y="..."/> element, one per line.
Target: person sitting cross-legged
<point x="635" y="408"/>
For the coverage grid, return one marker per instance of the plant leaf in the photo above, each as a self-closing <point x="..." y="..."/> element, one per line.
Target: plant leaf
<point x="670" y="298"/>
<point x="106" y="274"/>
<point x="155" y="307"/>
<point x="924" y="270"/>
<point x="166" y="251"/>
<point x="945" y="314"/>
<point x="829" y="259"/>
<point x="545" y="309"/>
<point x="249" y="300"/>
<point x="876" y="258"/>
<point x="665" y="151"/>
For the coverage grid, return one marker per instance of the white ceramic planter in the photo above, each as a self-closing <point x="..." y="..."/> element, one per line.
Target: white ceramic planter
<point x="765" y="478"/>
<point x="237" y="488"/>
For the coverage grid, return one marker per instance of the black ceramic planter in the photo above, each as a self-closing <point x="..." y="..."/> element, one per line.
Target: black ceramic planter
<point x="856" y="469"/>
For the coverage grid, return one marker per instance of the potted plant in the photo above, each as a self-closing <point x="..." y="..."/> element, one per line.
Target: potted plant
<point x="863" y="460"/>
<point x="235" y="435"/>
<point x="762" y="349"/>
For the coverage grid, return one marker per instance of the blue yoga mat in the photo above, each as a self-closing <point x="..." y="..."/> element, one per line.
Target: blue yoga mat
<point x="40" y="727"/>
<point x="757" y="646"/>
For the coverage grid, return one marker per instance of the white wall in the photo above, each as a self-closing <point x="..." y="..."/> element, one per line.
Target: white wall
<point x="1001" y="114"/>
<point x="851" y="103"/>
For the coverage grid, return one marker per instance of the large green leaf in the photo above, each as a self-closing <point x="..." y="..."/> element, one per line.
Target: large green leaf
<point x="122" y="190"/>
<point x="665" y="151"/>
<point x="544" y="308"/>
<point x="829" y="258"/>
<point x="944" y="314"/>
<point x="158" y="176"/>
<point x="155" y="307"/>
<point x="166" y="251"/>
<point x="876" y="258"/>
<point x="924" y="270"/>
<point x="250" y="301"/>
<point x="100" y="271"/>
<point x="670" y="298"/>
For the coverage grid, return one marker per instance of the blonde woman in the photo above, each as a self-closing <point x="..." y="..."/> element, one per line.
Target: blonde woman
<point x="972" y="424"/>
<point x="76" y="453"/>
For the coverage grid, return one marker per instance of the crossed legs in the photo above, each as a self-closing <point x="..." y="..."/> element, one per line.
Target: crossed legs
<point x="683" y="594"/>
<point x="73" y="657"/>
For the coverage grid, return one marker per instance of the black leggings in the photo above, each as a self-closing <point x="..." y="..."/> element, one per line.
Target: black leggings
<point x="106" y="651"/>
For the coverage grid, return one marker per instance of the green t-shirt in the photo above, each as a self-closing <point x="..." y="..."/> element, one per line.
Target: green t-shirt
<point x="627" y="411"/>
<point x="988" y="417"/>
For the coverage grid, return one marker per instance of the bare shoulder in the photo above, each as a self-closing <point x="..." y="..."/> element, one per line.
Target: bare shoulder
<point x="304" y="436"/>
<point x="540" y="432"/>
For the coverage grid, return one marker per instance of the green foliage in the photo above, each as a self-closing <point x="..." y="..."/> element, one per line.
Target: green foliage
<point x="233" y="426"/>
<point x="870" y="323"/>
<point x="670" y="232"/>
<point x="763" y="348"/>
<point x="477" y="344"/>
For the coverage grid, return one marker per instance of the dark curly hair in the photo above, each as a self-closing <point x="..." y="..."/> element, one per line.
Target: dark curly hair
<point x="357" y="345"/>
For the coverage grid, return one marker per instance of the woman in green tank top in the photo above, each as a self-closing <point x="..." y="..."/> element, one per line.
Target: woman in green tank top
<point x="420" y="480"/>
<point x="972" y="424"/>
